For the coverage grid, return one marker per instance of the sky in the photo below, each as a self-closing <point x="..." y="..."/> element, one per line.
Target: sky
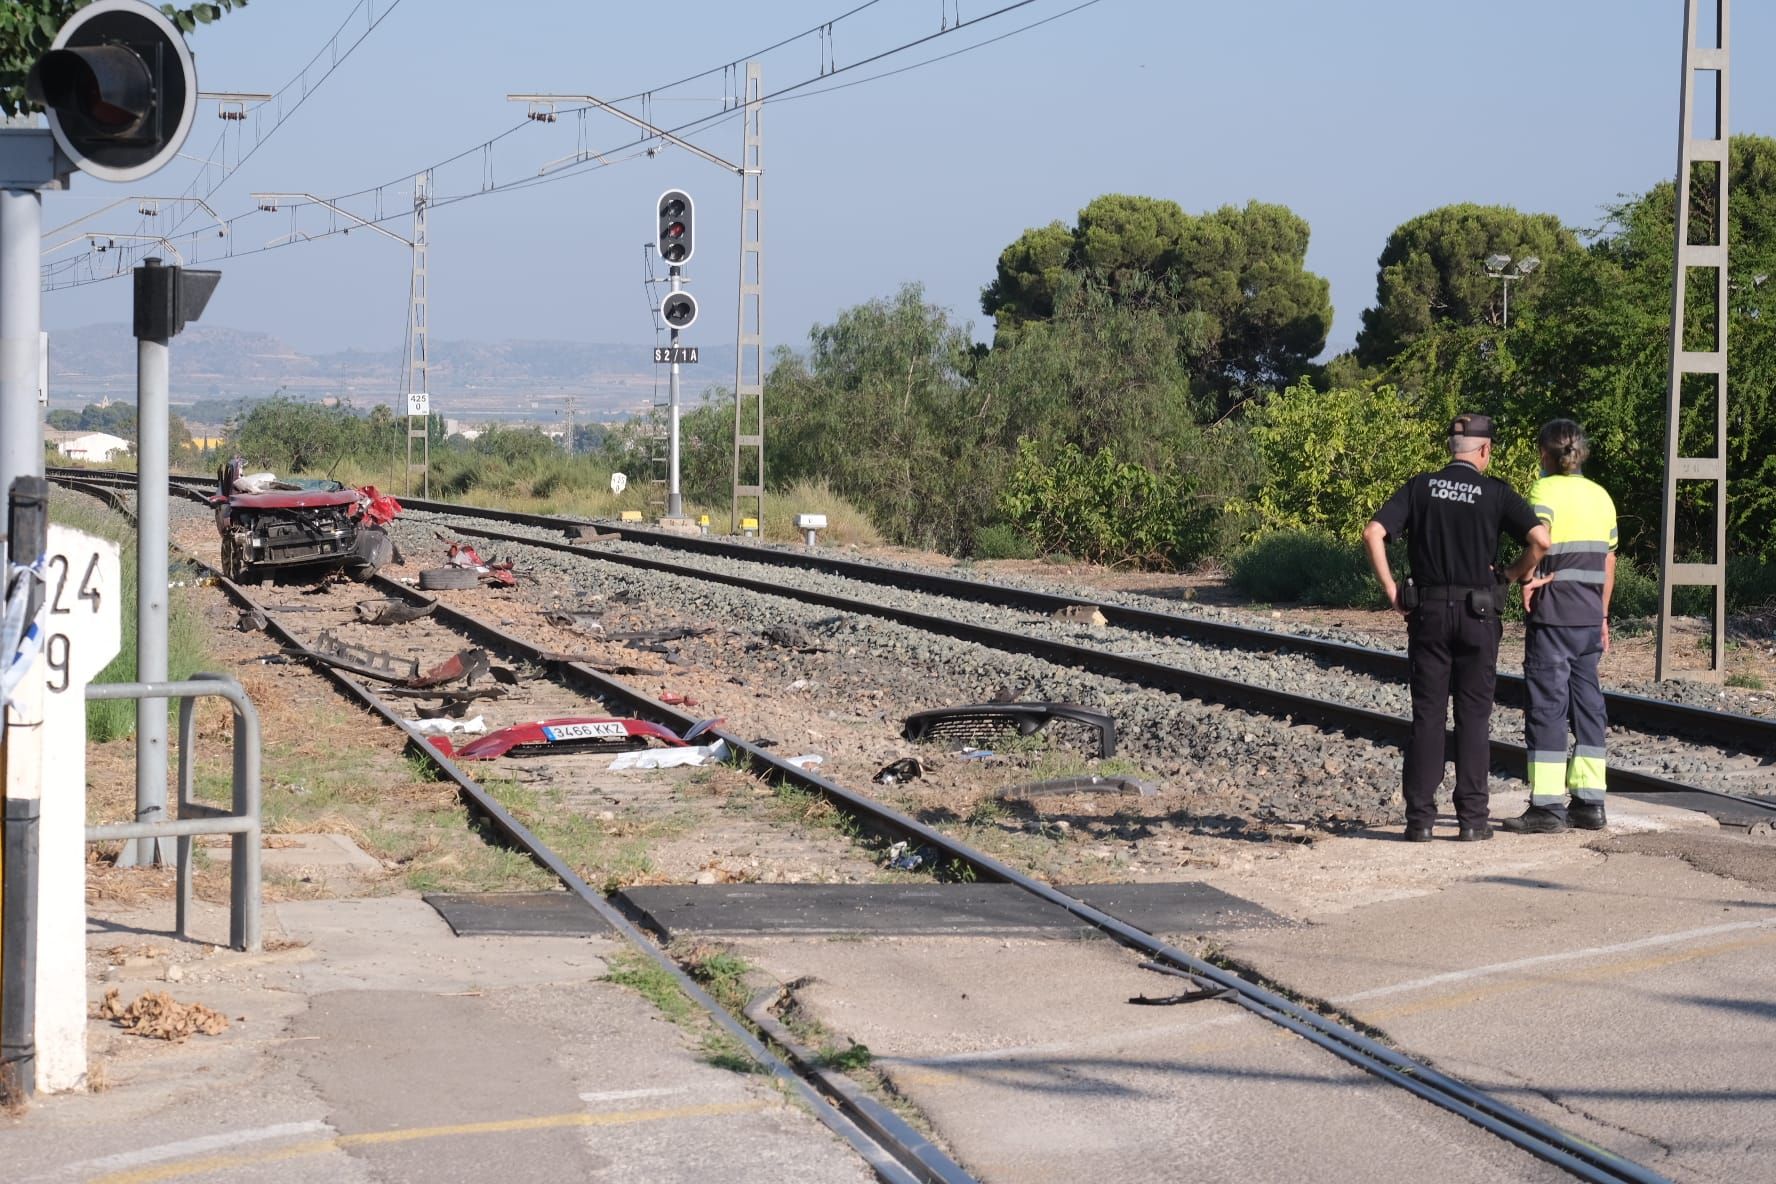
<point x="1356" y="115"/>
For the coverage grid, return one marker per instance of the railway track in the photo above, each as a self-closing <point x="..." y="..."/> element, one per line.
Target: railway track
<point x="1725" y="750"/>
<point x="895" y="1151"/>
<point x="1636" y="711"/>
<point x="1757" y="735"/>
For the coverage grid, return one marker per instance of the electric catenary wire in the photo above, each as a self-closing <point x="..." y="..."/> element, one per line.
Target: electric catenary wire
<point x="57" y="276"/>
<point x="335" y="51"/>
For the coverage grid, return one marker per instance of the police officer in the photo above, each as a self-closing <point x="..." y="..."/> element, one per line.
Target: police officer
<point x="1452" y="520"/>
<point x="1568" y="633"/>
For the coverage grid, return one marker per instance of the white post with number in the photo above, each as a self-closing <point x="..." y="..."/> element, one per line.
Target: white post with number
<point x="419" y="427"/>
<point x="83" y="629"/>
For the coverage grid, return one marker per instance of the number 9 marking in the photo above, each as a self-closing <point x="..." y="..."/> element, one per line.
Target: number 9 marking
<point x="55" y="652"/>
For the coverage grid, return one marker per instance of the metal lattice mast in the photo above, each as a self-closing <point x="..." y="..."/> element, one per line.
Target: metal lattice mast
<point x="1703" y="65"/>
<point x="749" y="342"/>
<point x="417" y="346"/>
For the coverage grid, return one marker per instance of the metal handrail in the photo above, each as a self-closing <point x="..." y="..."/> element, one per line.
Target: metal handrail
<point x="242" y="822"/>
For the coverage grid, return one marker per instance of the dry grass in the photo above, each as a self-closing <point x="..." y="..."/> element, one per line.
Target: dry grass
<point x="573" y="493"/>
<point x="327" y="768"/>
<point x="98" y="1077"/>
<point x="846" y="525"/>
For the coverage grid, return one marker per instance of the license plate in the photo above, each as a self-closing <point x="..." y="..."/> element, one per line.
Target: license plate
<point x="607" y="730"/>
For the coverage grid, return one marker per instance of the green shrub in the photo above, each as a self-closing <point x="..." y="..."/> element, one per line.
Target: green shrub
<point x="1751" y="583"/>
<point x="1001" y="540"/>
<point x="1751" y="586"/>
<point x="1331" y="458"/>
<point x="1103" y="510"/>
<point x="1305" y="567"/>
<point x="1636" y="592"/>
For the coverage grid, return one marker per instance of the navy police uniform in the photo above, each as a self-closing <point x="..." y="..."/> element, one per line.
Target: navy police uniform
<point x="1451" y="520"/>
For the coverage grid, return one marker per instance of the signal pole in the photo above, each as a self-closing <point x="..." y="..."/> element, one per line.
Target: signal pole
<point x="120" y="90"/>
<point x="677" y="240"/>
<point x="674" y="495"/>
<point x="166" y="299"/>
<point x="749" y="391"/>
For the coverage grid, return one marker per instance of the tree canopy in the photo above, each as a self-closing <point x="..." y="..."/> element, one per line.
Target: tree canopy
<point x="1231" y="285"/>
<point x="1595" y="346"/>
<point x="1432" y="272"/>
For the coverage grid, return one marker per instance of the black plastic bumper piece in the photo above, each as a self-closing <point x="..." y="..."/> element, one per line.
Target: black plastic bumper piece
<point x="976" y="722"/>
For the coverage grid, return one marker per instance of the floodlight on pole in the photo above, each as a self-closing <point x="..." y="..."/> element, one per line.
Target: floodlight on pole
<point x="1502" y="268"/>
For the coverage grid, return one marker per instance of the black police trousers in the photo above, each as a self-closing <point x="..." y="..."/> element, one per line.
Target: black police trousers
<point x="1451" y="647"/>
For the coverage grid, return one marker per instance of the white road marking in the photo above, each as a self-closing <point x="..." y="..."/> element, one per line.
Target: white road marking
<point x="124" y="1160"/>
<point x="1062" y="1048"/>
<point x="623" y="1095"/>
<point x="1644" y="943"/>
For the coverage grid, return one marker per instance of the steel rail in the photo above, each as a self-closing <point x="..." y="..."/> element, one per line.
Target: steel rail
<point x="1267" y="700"/>
<point x="907" y="1164"/>
<point x="889" y="1163"/>
<point x="1723" y="806"/>
<point x="1638" y="711"/>
<point x="1642" y="712"/>
<point x="1572" y="1154"/>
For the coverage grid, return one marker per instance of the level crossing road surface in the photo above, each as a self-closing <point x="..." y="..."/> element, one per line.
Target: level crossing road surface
<point x="1619" y="988"/>
<point x="1613" y="985"/>
<point x="380" y="1047"/>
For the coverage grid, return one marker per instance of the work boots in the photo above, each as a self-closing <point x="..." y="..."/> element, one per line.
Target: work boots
<point x="1585" y="815"/>
<point x="1542" y="820"/>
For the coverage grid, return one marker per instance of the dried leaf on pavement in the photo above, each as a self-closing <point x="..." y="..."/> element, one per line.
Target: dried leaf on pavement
<point x="159" y="1016"/>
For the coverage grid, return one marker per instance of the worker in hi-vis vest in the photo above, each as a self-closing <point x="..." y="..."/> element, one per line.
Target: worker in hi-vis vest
<point x="1568" y="633"/>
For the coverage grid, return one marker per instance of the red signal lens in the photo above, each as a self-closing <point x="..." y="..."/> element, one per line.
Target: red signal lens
<point x="675" y="230"/>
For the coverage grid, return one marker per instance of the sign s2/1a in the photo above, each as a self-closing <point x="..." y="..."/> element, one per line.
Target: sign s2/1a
<point x="686" y="354"/>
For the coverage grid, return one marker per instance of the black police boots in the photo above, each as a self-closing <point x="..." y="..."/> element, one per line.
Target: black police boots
<point x="1418" y="834"/>
<point x="1474" y="834"/>
<point x="1538" y="820"/>
<point x="1585" y="815"/>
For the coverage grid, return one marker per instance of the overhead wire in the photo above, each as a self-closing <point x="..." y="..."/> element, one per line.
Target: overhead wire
<point x="757" y="53"/>
<point x="307" y="90"/>
<point x="592" y="160"/>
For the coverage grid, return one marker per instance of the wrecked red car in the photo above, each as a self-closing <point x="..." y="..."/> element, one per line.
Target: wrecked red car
<point x="271" y="526"/>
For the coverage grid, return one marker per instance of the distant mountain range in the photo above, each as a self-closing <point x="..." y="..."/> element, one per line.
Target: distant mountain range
<point x="467" y="378"/>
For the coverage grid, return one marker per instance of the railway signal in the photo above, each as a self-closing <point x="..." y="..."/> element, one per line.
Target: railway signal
<point x="679" y="310"/>
<point x="120" y="89"/>
<point x="676" y="241"/>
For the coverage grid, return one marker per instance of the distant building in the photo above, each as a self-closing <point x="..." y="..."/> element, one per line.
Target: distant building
<point x="99" y="447"/>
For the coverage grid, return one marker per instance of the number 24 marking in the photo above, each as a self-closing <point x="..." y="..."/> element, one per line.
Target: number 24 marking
<point x="58" y="648"/>
<point x="88" y="590"/>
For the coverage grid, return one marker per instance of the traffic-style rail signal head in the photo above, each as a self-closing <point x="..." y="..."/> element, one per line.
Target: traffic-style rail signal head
<point x="679" y="310"/>
<point x="675" y="211"/>
<point x="120" y="89"/>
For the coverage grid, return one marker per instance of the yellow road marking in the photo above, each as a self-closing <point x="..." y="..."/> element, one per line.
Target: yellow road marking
<point x="221" y="1163"/>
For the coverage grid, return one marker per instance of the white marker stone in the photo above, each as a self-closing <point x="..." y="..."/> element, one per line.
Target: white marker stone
<point x="83" y="627"/>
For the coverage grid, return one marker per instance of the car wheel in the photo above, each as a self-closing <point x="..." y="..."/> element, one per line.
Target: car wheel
<point x="436" y="579"/>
